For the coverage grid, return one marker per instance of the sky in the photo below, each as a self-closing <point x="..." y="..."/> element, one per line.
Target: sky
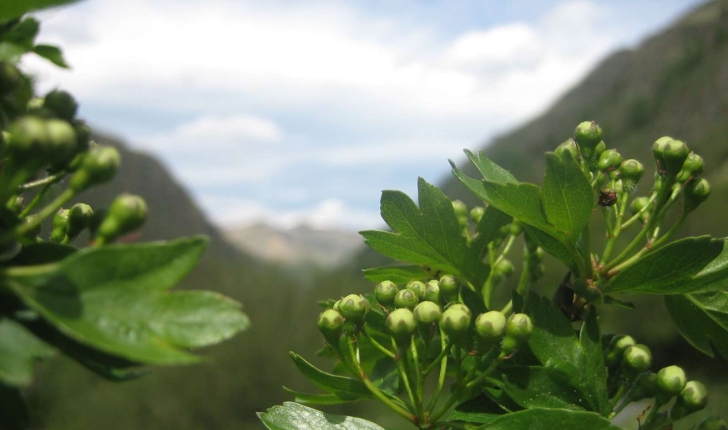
<point x="292" y="112"/>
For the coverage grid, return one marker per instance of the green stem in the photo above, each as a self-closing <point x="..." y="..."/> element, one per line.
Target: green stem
<point x="375" y="391"/>
<point x="420" y="381"/>
<point x="443" y="372"/>
<point x="47" y="211"/>
<point x="403" y="374"/>
<point x="506" y="250"/>
<point x="378" y="345"/>
<point x="636" y="216"/>
<point x="617" y="229"/>
<point x="48" y="180"/>
<point x="33" y="203"/>
<point x="653" y="413"/>
<point x="508" y="308"/>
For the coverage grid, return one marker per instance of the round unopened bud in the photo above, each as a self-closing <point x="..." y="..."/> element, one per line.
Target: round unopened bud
<point x="432" y="291"/>
<point x="126" y="214"/>
<point x="713" y="423"/>
<point x="519" y="327"/>
<point x="35" y="230"/>
<point x="631" y="170"/>
<point x="99" y="165"/>
<point x="694" y="396"/>
<point x="696" y="192"/>
<point x="514" y="228"/>
<point x="599" y="149"/>
<point x="588" y="134"/>
<point x="401" y="323"/>
<point x="427" y="313"/>
<point x="609" y="160"/>
<point x="60" y="225"/>
<point x="83" y="133"/>
<point x="28" y="139"/>
<point x="417" y="287"/>
<point x="638" y="358"/>
<point x="62" y="138"/>
<point x="658" y="150"/>
<point x="638" y="204"/>
<point x="449" y="285"/>
<point x="385" y="292"/>
<point x="461" y="306"/>
<point x="10" y="78"/>
<point x="330" y="323"/>
<point x="17" y="204"/>
<point x="616" y="348"/>
<point x="406" y="299"/>
<point x="352" y="307"/>
<point x="455" y="322"/>
<point x="476" y="213"/>
<point x="62" y="104"/>
<point x="692" y="167"/>
<point x="503" y="268"/>
<point x="671" y="380"/>
<point x="461" y="212"/>
<point x="490" y="326"/>
<point x="569" y="146"/>
<point x="79" y="219"/>
<point x="675" y="154"/>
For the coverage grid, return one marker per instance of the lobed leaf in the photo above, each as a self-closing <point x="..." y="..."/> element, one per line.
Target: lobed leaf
<point x="702" y="319"/>
<point x="549" y="419"/>
<point x="567" y="196"/>
<point x="115" y="299"/>
<point x="397" y="274"/>
<point x="292" y="416"/>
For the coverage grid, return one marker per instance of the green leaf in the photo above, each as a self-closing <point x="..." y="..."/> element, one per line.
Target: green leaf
<point x="488" y="229"/>
<point x="550" y="419"/>
<point x="397" y="274"/>
<point x="339" y="398"/>
<point x="592" y="362"/>
<point x="292" y="416"/>
<point x="541" y="387"/>
<point x="490" y="170"/>
<point x="42" y="253"/>
<point x="23" y="34"/>
<point x="568" y="197"/>
<point x="328" y="382"/>
<point x="19" y="349"/>
<point x="115" y="299"/>
<point x="702" y="320"/>
<point x="553" y="337"/>
<point x="14" y="411"/>
<point x="52" y="54"/>
<point x="552" y="245"/>
<point x="688" y="265"/>
<point x="480" y="409"/>
<point x="428" y="236"/>
<point x="10" y="9"/>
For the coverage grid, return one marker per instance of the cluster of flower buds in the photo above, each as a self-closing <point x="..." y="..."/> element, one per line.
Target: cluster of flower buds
<point x="680" y="168"/>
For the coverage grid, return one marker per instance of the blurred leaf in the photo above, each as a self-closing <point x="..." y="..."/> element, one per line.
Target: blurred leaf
<point x="684" y="266"/>
<point x="14" y="413"/>
<point x="42" y="253"/>
<point x="567" y="196"/>
<point x="550" y="419"/>
<point x="702" y="319"/>
<point x="292" y="416"/>
<point x="480" y="409"/>
<point x="10" y="9"/>
<point x="428" y="236"/>
<point x="397" y="274"/>
<point x="19" y="349"/>
<point x="322" y="399"/>
<point x="23" y="34"/>
<point x="331" y="383"/>
<point x="52" y="54"/>
<point x="115" y="299"/>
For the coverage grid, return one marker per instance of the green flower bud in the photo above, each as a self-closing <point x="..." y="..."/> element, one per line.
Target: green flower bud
<point x="696" y="192"/>
<point x="83" y="143"/>
<point x="60" y="225"/>
<point x="514" y="228"/>
<point x="28" y="139"/>
<point x="490" y="326"/>
<point x="569" y="146"/>
<point x="35" y="231"/>
<point x="539" y="255"/>
<point x="449" y="285"/>
<point x="645" y="387"/>
<point x="406" y="299"/>
<point x="675" y="153"/>
<point x="588" y="134"/>
<point x="336" y="305"/>
<point x="16" y="206"/>
<point x="427" y="313"/>
<point x="330" y="323"/>
<point x="62" y="139"/>
<point x="713" y="423"/>
<point x="671" y="380"/>
<point x="638" y="358"/>
<point x="34" y="104"/>
<point x="99" y="165"/>
<point x="126" y="214"/>
<point x="658" y="150"/>
<point x="401" y="324"/>
<point x="503" y="268"/>
<point x="616" y="348"/>
<point x="455" y="322"/>
<point x="694" y="396"/>
<point x="692" y="167"/>
<point x="79" y="219"/>
<point x="385" y="292"/>
<point x="461" y="212"/>
<point x="461" y="306"/>
<point x="609" y="160"/>
<point x="476" y="214"/>
<point x="417" y="287"/>
<point x="62" y="104"/>
<point x="432" y="291"/>
<point x="599" y="150"/>
<point x="352" y="307"/>
<point x="519" y="327"/>
<point x="631" y="171"/>
<point x="638" y="204"/>
<point x="10" y="78"/>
